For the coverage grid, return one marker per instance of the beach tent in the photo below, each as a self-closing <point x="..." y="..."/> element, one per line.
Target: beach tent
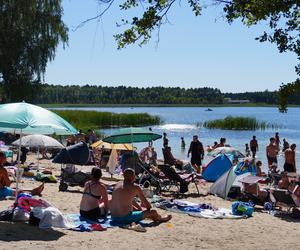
<point x="76" y="154"/>
<point x="216" y="168"/>
<point x="222" y="186"/>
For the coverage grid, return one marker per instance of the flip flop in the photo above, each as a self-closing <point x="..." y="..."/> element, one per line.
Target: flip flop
<point x="137" y="228"/>
<point x="97" y="227"/>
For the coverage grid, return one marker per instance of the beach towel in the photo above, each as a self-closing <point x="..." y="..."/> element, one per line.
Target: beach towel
<point x="113" y="163"/>
<point x="84" y="225"/>
<point x="197" y="210"/>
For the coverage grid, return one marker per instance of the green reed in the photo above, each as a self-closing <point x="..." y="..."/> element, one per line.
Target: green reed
<point x="95" y="120"/>
<point x="239" y="123"/>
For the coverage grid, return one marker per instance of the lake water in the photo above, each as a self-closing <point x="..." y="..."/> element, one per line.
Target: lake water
<point x="182" y="122"/>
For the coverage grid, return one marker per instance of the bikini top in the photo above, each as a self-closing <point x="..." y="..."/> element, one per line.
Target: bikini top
<point x="97" y="197"/>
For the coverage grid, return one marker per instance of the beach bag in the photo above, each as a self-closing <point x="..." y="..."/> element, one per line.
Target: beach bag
<point x="242" y="208"/>
<point x="7" y="215"/>
<point x="147" y="190"/>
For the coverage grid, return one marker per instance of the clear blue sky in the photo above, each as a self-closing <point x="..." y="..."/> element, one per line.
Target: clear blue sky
<point x="193" y="52"/>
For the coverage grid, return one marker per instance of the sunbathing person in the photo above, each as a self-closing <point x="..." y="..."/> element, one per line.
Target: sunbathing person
<point x="94" y="201"/>
<point x="284" y="182"/>
<point x="259" y="172"/>
<point x="170" y="159"/>
<point x="123" y="203"/>
<point x="5" y="182"/>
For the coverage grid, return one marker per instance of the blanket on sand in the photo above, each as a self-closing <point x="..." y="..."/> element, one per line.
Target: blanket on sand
<point x="197" y="210"/>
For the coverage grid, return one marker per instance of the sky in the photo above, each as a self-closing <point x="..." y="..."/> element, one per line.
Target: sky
<point x="192" y="52"/>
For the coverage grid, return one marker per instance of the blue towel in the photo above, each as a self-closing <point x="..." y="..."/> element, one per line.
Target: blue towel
<point x="84" y="225"/>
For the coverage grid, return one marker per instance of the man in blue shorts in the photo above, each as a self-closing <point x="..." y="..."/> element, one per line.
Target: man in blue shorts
<point x="124" y="209"/>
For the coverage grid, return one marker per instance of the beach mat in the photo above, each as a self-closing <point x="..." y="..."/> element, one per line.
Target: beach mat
<point x="85" y="225"/>
<point x="197" y="210"/>
<point x="221" y="213"/>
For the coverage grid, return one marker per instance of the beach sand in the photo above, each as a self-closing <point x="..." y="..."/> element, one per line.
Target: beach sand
<point x="262" y="231"/>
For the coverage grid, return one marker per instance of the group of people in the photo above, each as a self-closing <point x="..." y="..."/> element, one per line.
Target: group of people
<point x="273" y="149"/>
<point x="89" y="138"/>
<point x="122" y="205"/>
<point x="196" y="151"/>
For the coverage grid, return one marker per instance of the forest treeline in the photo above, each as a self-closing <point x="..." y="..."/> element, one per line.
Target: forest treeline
<point x="91" y="94"/>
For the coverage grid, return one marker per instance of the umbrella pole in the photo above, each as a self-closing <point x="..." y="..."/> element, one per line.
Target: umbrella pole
<point x="18" y="166"/>
<point x="38" y="158"/>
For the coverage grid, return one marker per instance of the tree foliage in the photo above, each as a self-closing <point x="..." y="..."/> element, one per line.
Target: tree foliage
<point x="29" y="34"/>
<point x="282" y="18"/>
<point x="88" y="94"/>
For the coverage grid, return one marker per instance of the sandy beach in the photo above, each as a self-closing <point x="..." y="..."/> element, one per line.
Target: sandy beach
<point x="262" y="231"/>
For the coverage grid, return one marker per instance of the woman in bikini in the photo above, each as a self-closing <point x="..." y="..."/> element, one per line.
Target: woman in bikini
<point x="94" y="202"/>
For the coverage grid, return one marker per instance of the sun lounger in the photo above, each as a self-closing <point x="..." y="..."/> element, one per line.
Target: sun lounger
<point x="252" y="191"/>
<point x="282" y="198"/>
<point x="181" y="182"/>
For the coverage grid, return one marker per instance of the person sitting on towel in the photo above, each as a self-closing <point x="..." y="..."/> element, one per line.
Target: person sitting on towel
<point x="5" y="182"/>
<point x="94" y="201"/>
<point x="124" y="209"/>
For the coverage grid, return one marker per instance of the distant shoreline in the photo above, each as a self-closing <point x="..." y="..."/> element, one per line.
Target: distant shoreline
<point x="262" y="105"/>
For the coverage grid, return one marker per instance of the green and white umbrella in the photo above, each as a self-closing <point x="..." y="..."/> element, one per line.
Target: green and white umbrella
<point x="132" y="135"/>
<point x="25" y="118"/>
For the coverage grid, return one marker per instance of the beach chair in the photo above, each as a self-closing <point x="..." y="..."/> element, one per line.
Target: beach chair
<point x="252" y="191"/>
<point x="181" y="182"/>
<point x="282" y="198"/>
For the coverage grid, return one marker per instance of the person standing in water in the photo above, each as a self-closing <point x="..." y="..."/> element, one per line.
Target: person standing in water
<point x="182" y="143"/>
<point x="290" y="162"/>
<point x="165" y="140"/>
<point x="253" y="146"/>
<point x="278" y="142"/>
<point x="197" y="151"/>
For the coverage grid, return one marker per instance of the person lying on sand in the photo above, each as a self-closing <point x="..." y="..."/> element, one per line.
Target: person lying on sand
<point x="123" y="203"/>
<point x="5" y="182"/>
<point x="94" y="201"/>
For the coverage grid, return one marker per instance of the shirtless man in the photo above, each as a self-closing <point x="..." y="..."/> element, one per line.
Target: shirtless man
<point x="5" y="182"/>
<point x="290" y="163"/>
<point x="124" y="209"/>
<point x="272" y="151"/>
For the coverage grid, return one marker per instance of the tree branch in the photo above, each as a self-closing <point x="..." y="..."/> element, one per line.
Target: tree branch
<point x="95" y="17"/>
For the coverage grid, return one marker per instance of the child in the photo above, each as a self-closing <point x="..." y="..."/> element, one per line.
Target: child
<point x="247" y="150"/>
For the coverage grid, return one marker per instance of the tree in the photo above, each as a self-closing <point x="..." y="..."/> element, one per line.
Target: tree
<point x="282" y="17"/>
<point x="29" y="34"/>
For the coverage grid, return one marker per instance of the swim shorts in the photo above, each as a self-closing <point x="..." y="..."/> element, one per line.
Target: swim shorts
<point x="93" y="214"/>
<point x="288" y="167"/>
<point x="272" y="160"/>
<point x="6" y="191"/>
<point x="134" y="216"/>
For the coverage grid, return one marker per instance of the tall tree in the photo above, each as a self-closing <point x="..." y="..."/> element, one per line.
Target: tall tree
<point x="30" y="31"/>
<point x="282" y="17"/>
